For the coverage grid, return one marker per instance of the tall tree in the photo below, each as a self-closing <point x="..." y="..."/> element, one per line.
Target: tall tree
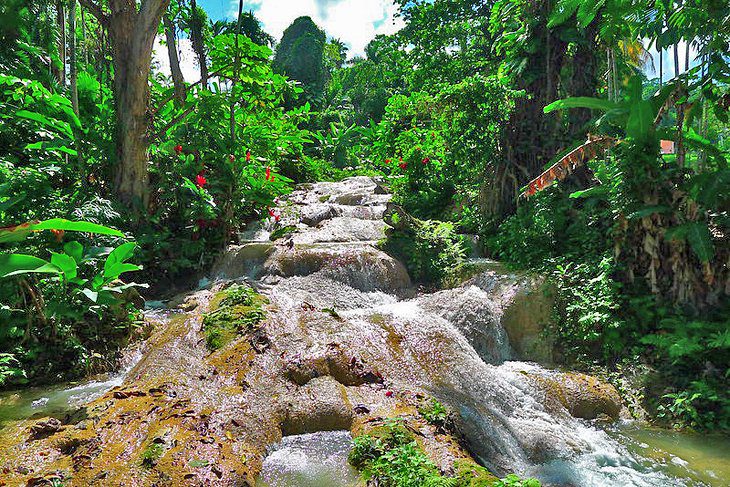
<point x="300" y="56"/>
<point x="132" y="30"/>
<point x="178" y="80"/>
<point x="197" y="22"/>
<point x="61" y="21"/>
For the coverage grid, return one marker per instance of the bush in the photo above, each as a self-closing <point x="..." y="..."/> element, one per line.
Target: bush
<point x="390" y="456"/>
<point x="432" y="250"/>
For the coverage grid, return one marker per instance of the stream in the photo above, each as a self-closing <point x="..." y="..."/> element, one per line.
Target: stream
<point x="338" y="302"/>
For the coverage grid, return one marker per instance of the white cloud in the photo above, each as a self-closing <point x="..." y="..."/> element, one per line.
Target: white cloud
<point x="668" y="60"/>
<point x="355" y="22"/>
<point x="186" y="55"/>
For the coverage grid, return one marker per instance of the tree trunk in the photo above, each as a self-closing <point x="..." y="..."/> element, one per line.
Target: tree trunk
<point x="196" y="39"/>
<point x="661" y="67"/>
<point x="583" y="80"/>
<point x="236" y="69"/>
<point x="177" y="77"/>
<point x="73" y="74"/>
<point x="61" y="20"/>
<point x="531" y="137"/>
<point x="132" y="34"/>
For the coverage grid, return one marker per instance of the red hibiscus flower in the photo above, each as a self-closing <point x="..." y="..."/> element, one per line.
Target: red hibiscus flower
<point x="403" y="165"/>
<point x="200" y="180"/>
<point x="248" y="156"/>
<point x="178" y="148"/>
<point x="269" y="176"/>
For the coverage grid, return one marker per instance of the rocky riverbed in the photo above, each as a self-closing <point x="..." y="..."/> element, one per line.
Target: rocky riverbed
<point x="346" y="341"/>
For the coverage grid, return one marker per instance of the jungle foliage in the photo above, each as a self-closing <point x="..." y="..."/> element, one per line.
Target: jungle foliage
<point x="465" y="111"/>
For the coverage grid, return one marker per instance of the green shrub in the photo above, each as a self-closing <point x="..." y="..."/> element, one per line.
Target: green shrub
<point x="434" y="412"/>
<point x="431" y="250"/>
<point x="390" y="456"/>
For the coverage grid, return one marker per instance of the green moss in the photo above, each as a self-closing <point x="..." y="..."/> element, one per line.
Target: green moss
<point x="469" y="474"/>
<point x="238" y="309"/>
<point x="152" y="454"/>
<point x="390" y="456"/>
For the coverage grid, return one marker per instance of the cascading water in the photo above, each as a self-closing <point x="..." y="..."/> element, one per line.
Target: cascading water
<point x="450" y="343"/>
<point x="346" y="338"/>
<point x="310" y="460"/>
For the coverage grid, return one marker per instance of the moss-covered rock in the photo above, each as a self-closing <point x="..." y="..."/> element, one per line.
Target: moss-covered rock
<point x="390" y="454"/>
<point x="235" y="310"/>
<point x="584" y="396"/>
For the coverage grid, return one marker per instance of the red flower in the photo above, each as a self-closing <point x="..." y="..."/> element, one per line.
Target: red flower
<point x="231" y="158"/>
<point x="269" y="176"/>
<point x="425" y="160"/>
<point x="248" y="156"/>
<point x="388" y="393"/>
<point x="178" y="148"/>
<point x="200" y="180"/>
<point x="403" y="165"/>
<point x="387" y="161"/>
<point x="58" y="234"/>
<point x="275" y="214"/>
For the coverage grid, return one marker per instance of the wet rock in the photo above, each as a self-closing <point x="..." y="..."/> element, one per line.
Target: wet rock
<point x="584" y="396"/>
<point x="523" y="304"/>
<point x="366" y="269"/>
<point x="45" y="427"/>
<point x="321" y="405"/>
<point x="314" y="215"/>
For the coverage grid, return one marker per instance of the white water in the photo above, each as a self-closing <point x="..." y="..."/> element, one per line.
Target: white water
<point x="310" y="460"/>
<point x="449" y="343"/>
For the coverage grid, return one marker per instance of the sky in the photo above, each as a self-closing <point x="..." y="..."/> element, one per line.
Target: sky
<point x="354" y="22"/>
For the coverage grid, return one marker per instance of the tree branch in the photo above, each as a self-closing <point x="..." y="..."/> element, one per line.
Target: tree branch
<point x="95" y="10"/>
<point x="169" y="98"/>
<point x="172" y="122"/>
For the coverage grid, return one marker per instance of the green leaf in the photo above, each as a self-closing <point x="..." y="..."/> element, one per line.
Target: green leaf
<point x="599" y="190"/>
<point x="113" y="266"/>
<point x="66" y="263"/>
<point x="75" y="250"/>
<point x="699" y="238"/>
<point x="71" y="226"/>
<point x="15" y="264"/>
<point x="581" y="102"/>
<point x="92" y="295"/>
<point x="19" y="232"/>
<point x="53" y="145"/>
<point x="641" y="120"/>
<point x="55" y="125"/>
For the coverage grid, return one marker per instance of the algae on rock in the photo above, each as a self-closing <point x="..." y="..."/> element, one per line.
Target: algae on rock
<point x="233" y="311"/>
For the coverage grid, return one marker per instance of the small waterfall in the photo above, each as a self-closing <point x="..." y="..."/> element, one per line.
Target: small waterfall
<point x="450" y="343"/>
